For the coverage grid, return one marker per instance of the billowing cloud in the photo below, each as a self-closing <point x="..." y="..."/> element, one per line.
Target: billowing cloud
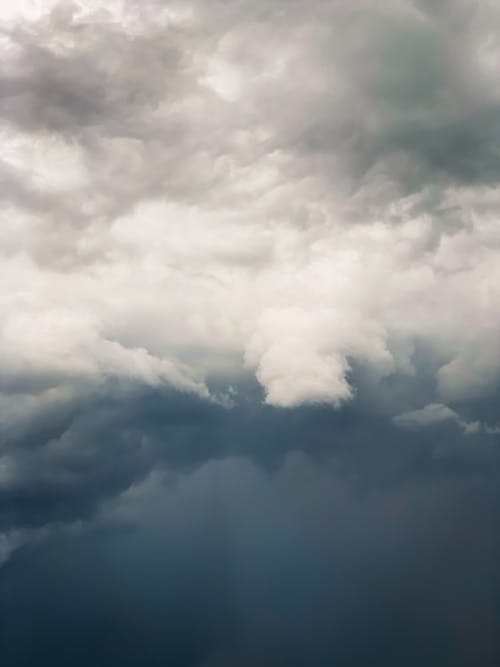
<point x="249" y="309"/>
<point x="302" y="188"/>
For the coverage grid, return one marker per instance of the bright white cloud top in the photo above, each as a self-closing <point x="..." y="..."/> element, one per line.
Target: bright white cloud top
<point x="187" y="195"/>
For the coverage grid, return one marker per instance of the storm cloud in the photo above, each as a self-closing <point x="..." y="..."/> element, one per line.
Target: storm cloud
<point x="249" y="319"/>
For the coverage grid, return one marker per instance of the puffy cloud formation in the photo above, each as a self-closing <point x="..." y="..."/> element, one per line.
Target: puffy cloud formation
<point x="195" y="189"/>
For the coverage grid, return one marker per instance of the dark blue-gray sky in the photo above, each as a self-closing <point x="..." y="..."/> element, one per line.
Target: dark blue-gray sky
<point x="249" y="320"/>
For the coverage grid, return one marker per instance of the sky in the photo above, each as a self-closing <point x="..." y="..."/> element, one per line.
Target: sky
<point x="249" y="322"/>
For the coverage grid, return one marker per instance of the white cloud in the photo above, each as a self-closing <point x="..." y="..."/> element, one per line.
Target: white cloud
<point x="174" y="212"/>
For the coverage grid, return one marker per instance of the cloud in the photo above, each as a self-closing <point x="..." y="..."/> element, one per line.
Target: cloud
<point x="436" y="413"/>
<point x="193" y="194"/>
<point x="243" y="243"/>
<point x="301" y="354"/>
<point x="338" y="163"/>
<point x="229" y="564"/>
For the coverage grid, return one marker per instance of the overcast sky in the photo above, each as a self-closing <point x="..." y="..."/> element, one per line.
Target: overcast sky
<point x="249" y="333"/>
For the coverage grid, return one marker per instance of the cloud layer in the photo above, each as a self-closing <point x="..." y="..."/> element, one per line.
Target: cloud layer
<point x="249" y="360"/>
<point x="286" y="190"/>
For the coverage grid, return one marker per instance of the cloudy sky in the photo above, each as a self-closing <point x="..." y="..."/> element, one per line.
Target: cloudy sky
<point x="249" y="333"/>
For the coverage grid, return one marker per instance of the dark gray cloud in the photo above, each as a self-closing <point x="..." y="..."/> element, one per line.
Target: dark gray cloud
<point x="163" y="528"/>
<point x="231" y="565"/>
<point x="64" y="465"/>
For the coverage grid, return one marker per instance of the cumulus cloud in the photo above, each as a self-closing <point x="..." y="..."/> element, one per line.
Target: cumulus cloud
<point x="303" y="189"/>
<point x="197" y="192"/>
